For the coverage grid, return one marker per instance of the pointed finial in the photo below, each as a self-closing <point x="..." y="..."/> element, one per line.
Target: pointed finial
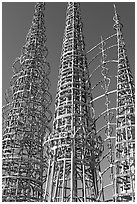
<point x="114" y="6"/>
<point x="115" y="12"/>
<point x="101" y="43"/>
<point x="116" y="19"/>
<point x="101" y="38"/>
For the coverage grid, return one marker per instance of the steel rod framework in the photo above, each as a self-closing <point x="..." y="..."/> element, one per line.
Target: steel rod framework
<point x="73" y="146"/>
<point x="125" y="119"/>
<point x="115" y="120"/>
<point x="26" y="118"/>
<point x="90" y="153"/>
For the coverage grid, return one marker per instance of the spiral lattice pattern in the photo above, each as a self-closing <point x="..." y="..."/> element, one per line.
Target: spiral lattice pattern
<point x="26" y="118"/>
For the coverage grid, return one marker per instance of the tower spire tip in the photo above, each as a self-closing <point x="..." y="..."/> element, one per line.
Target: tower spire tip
<point x="115" y="10"/>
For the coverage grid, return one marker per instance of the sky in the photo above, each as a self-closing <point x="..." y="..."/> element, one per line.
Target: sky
<point x="97" y="22"/>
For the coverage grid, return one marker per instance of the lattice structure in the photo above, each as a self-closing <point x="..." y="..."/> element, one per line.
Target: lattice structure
<point x="26" y="118"/>
<point x="73" y="147"/>
<point x="113" y="98"/>
<point x="90" y="154"/>
<point x="125" y="124"/>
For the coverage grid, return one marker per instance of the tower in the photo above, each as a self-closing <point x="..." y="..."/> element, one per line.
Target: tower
<point x="73" y="147"/>
<point x="26" y="117"/>
<point x="125" y="123"/>
<point x="113" y="96"/>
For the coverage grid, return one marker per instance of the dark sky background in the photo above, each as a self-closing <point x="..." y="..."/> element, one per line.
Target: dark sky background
<point x="97" y="20"/>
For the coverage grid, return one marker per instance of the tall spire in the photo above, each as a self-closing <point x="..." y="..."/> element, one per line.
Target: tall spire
<point x="71" y="174"/>
<point x="113" y="97"/>
<point x="125" y="120"/>
<point x="26" y="117"/>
